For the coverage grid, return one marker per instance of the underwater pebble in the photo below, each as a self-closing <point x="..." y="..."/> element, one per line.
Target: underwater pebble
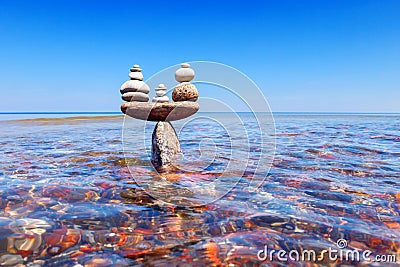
<point x="11" y="260"/>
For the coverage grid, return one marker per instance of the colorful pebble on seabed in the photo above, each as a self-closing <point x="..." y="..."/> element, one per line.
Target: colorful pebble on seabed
<point x="69" y="201"/>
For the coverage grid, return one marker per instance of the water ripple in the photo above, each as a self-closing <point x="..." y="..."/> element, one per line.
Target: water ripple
<point x="67" y="197"/>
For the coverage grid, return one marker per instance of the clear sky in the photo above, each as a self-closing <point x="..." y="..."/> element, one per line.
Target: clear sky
<point x="341" y="56"/>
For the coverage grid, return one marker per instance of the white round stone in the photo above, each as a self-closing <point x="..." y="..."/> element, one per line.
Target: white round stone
<point x="161" y="86"/>
<point x="135" y="96"/>
<point x="161" y="92"/>
<point x="161" y="99"/>
<point x="134" y="86"/>
<point x="136" y="75"/>
<point x="136" y="68"/>
<point x="184" y="74"/>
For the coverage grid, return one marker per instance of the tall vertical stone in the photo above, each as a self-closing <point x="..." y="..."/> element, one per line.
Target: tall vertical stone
<point x="165" y="144"/>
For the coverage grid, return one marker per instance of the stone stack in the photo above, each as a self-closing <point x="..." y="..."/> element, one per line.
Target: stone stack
<point x="165" y="143"/>
<point x="185" y="91"/>
<point x="160" y="94"/>
<point x="135" y="89"/>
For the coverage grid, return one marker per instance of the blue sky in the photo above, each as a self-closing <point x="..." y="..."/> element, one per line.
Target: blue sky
<point x="340" y="56"/>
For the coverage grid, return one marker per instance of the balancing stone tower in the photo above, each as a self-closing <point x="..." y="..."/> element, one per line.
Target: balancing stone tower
<point x="165" y="143"/>
<point x="185" y="91"/>
<point x="135" y="89"/>
<point x="160" y="94"/>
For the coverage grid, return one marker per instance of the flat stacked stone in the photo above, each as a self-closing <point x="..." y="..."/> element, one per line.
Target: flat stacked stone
<point x="135" y="89"/>
<point x="165" y="111"/>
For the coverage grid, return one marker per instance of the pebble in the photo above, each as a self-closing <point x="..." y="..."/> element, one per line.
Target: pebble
<point x="15" y="198"/>
<point x="185" y="92"/>
<point x="161" y="90"/>
<point x="136" y="68"/>
<point x="11" y="260"/>
<point x="161" y="99"/>
<point x="160" y="94"/>
<point x="135" y="96"/>
<point x="136" y="75"/>
<point x="36" y="263"/>
<point x="61" y="239"/>
<point x="29" y="226"/>
<point x="184" y="74"/>
<point x="134" y="86"/>
<point x="32" y="242"/>
<point x="98" y="262"/>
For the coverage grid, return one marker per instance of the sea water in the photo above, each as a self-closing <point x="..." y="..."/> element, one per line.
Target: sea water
<point x="69" y="192"/>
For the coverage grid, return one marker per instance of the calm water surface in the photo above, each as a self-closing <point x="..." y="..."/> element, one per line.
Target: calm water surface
<point x="67" y="197"/>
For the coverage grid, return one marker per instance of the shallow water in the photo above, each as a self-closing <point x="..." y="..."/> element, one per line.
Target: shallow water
<point x="67" y="196"/>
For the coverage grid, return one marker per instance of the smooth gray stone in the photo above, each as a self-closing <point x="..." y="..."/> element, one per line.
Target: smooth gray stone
<point x="161" y="86"/>
<point x="160" y="92"/>
<point x="165" y="144"/>
<point x="136" y="68"/>
<point x="155" y="111"/>
<point x="136" y="75"/>
<point x="135" y="96"/>
<point x="134" y="86"/>
<point x="161" y="99"/>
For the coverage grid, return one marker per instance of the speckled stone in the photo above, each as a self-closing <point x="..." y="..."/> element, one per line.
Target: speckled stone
<point x="185" y="92"/>
<point x="134" y="86"/>
<point x="135" y="96"/>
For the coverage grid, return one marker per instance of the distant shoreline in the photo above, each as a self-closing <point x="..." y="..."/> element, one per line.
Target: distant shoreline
<point x="9" y="117"/>
<point x="58" y="112"/>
